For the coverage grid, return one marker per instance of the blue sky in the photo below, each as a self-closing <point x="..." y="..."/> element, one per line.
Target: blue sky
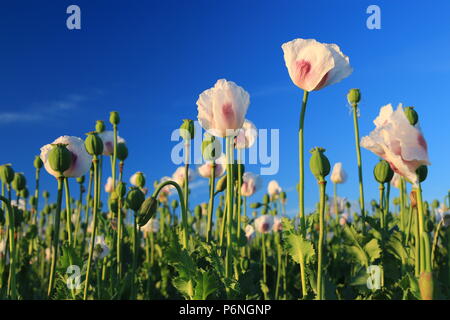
<point x="150" y="60"/>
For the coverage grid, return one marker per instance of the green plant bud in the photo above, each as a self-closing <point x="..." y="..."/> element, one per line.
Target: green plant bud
<point x="113" y="203"/>
<point x="187" y="129"/>
<point x="38" y="162"/>
<point x="80" y="180"/>
<point x="283" y="195"/>
<point x="147" y="211"/>
<point x="264" y="211"/>
<point x="24" y="193"/>
<point x="174" y="204"/>
<point x="422" y="173"/>
<point x="121" y="189"/>
<point x="412" y="115"/>
<point x="46" y="194"/>
<point x="93" y="144"/>
<point x="383" y="172"/>
<point x="266" y="199"/>
<point x="122" y="151"/>
<point x="221" y="184"/>
<point x="198" y="211"/>
<point x="100" y="126"/>
<point x="19" y="182"/>
<point x="435" y="204"/>
<point x="139" y="179"/>
<point x="319" y="164"/>
<point x="426" y="285"/>
<point x="135" y="198"/>
<point x="373" y="203"/>
<point x="211" y="148"/>
<point x="255" y="205"/>
<point x="6" y="173"/>
<point x="114" y="118"/>
<point x="353" y="96"/>
<point x="60" y="158"/>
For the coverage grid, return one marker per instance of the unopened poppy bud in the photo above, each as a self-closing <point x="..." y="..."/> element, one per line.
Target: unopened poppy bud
<point x="121" y="189"/>
<point x="426" y="285"/>
<point x="221" y="184"/>
<point x="138" y="179"/>
<point x="114" y="118"/>
<point x="100" y="126"/>
<point x="93" y="144"/>
<point x="435" y="204"/>
<point x="19" y="182"/>
<point x="46" y="194"/>
<point x="383" y="172"/>
<point x="60" y="158"/>
<point x="147" y="211"/>
<point x="211" y="148"/>
<point x="266" y="199"/>
<point x="412" y="115"/>
<point x="6" y="173"/>
<point x="24" y="193"/>
<point x="80" y="180"/>
<point x="353" y="96"/>
<point x="264" y="211"/>
<point x="122" y="151"/>
<point x="422" y="173"/>
<point x="255" y="205"/>
<point x="38" y="162"/>
<point x="33" y="201"/>
<point x="198" y="211"/>
<point x="187" y="129"/>
<point x="174" y="204"/>
<point x="319" y="164"/>
<point x="135" y="198"/>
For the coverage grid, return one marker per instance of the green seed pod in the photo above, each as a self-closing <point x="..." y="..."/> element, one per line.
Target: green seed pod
<point x="221" y="184"/>
<point x="122" y="151"/>
<point x="80" y="180"/>
<point x="139" y="179"/>
<point x="422" y="173"/>
<point x="19" y="182"/>
<point x="353" y="96"/>
<point x="93" y="144"/>
<point x="266" y="199"/>
<point x="121" y="189"/>
<point x="412" y="115"/>
<point x="255" y="205"/>
<point x="198" y="211"/>
<point x="187" y="129"/>
<point x="135" y="198"/>
<point x="426" y="285"/>
<point x="174" y="204"/>
<point x="435" y="204"/>
<point x="147" y="211"/>
<point x="6" y="173"/>
<point x="264" y="211"/>
<point x="46" y="194"/>
<point x="319" y="164"/>
<point x="60" y="158"/>
<point x="38" y="162"/>
<point x="383" y="172"/>
<point x="32" y="201"/>
<point x="114" y="118"/>
<point x="24" y="193"/>
<point x="100" y="126"/>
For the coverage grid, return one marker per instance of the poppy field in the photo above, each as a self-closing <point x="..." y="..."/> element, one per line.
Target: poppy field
<point x="118" y="236"/>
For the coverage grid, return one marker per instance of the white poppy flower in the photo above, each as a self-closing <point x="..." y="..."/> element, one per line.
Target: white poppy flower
<point x="101" y="249"/>
<point x="180" y="175"/>
<point x="222" y="109"/>
<point x="273" y="188"/>
<point x="313" y="65"/>
<point x="205" y="169"/>
<point x="396" y="180"/>
<point x="250" y="232"/>
<point x="151" y="226"/>
<point x="81" y="160"/>
<point x="264" y="223"/>
<point x="338" y="175"/>
<point x="109" y="186"/>
<point x="246" y="135"/>
<point x="251" y="183"/>
<point x="398" y="142"/>
<point x="108" y="142"/>
<point x="277" y="225"/>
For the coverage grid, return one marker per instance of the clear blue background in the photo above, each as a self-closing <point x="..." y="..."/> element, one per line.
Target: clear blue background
<point x="151" y="59"/>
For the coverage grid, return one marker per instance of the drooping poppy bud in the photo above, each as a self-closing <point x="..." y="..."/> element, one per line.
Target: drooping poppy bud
<point x="422" y="173"/>
<point x="353" y="96"/>
<point x="24" y="193"/>
<point x="46" y="194"/>
<point x="19" y="182"/>
<point x="255" y="205"/>
<point x="6" y="173"/>
<point x="412" y="115"/>
<point x="266" y="199"/>
<point x="221" y="184"/>
<point x="100" y="126"/>
<point x="122" y="151"/>
<point x="319" y="164"/>
<point x="59" y="158"/>
<point x="121" y="189"/>
<point x="147" y="211"/>
<point x="135" y="198"/>
<point x="187" y="129"/>
<point x="38" y="162"/>
<point x="114" y="118"/>
<point x="93" y="144"/>
<point x="383" y="172"/>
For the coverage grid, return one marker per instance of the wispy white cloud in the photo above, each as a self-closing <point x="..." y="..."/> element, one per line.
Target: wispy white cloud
<point x="43" y="111"/>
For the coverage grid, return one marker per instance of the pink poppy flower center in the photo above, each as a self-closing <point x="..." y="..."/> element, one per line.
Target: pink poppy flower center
<point x="303" y="68"/>
<point x="265" y="227"/>
<point x="228" y="114"/>
<point x="74" y="160"/>
<point x="422" y="142"/>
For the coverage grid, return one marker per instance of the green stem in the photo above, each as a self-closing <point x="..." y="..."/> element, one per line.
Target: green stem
<point x="320" y="294"/>
<point x="230" y="161"/>
<point x="239" y="197"/>
<point x="336" y="211"/>
<point x="381" y="204"/>
<point x="114" y="158"/>
<point x="68" y="211"/>
<point x="211" y="201"/>
<point x="358" y="156"/>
